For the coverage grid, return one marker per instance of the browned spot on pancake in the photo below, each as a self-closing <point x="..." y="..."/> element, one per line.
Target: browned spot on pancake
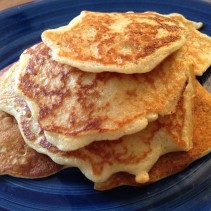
<point x="35" y="90"/>
<point x="132" y="92"/>
<point x="26" y="130"/>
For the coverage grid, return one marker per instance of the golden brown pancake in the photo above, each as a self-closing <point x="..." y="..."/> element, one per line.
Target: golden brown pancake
<point x="75" y="108"/>
<point x="197" y="46"/>
<point x="134" y="153"/>
<point x="173" y="163"/>
<point x="53" y="86"/>
<point x="116" y="42"/>
<point x="16" y="157"/>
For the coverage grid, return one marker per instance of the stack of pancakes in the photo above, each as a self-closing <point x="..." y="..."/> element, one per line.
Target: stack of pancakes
<point x="113" y="94"/>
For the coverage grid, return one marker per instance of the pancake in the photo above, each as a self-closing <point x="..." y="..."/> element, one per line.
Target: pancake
<point x="197" y="45"/>
<point x="135" y="153"/>
<point x="116" y="42"/>
<point x="16" y="157"/>
<point x="75" y="108"/>
<point x="6" y="74"/>
<point x="61" y="41"/>
<point x="173" y="163"/>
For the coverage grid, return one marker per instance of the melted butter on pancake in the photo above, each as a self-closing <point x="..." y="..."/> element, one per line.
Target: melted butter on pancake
<point x="74" y="108"/>
<point x="116" y="42"/>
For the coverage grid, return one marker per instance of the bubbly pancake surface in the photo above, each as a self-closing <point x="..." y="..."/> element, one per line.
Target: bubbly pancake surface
<point x="116" y="42"/>
<point x="134" y="153"/>
<point x="74" y="108"/>
<point x="173" y="163"/>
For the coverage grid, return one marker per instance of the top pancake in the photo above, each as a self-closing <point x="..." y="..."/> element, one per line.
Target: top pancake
<point x="173" y="163"/>
<point x="116" y="42"/>
<point x="75" y="108"/>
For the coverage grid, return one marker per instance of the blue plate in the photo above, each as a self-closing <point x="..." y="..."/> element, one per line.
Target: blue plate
<point x="20" y="27"/>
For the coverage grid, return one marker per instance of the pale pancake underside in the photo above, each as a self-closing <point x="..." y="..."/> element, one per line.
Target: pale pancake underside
<point x="173" y="163"/>
<point x="135" y="153"/>
<point x="116" y="42"/>
<point x="74" y="108"/>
